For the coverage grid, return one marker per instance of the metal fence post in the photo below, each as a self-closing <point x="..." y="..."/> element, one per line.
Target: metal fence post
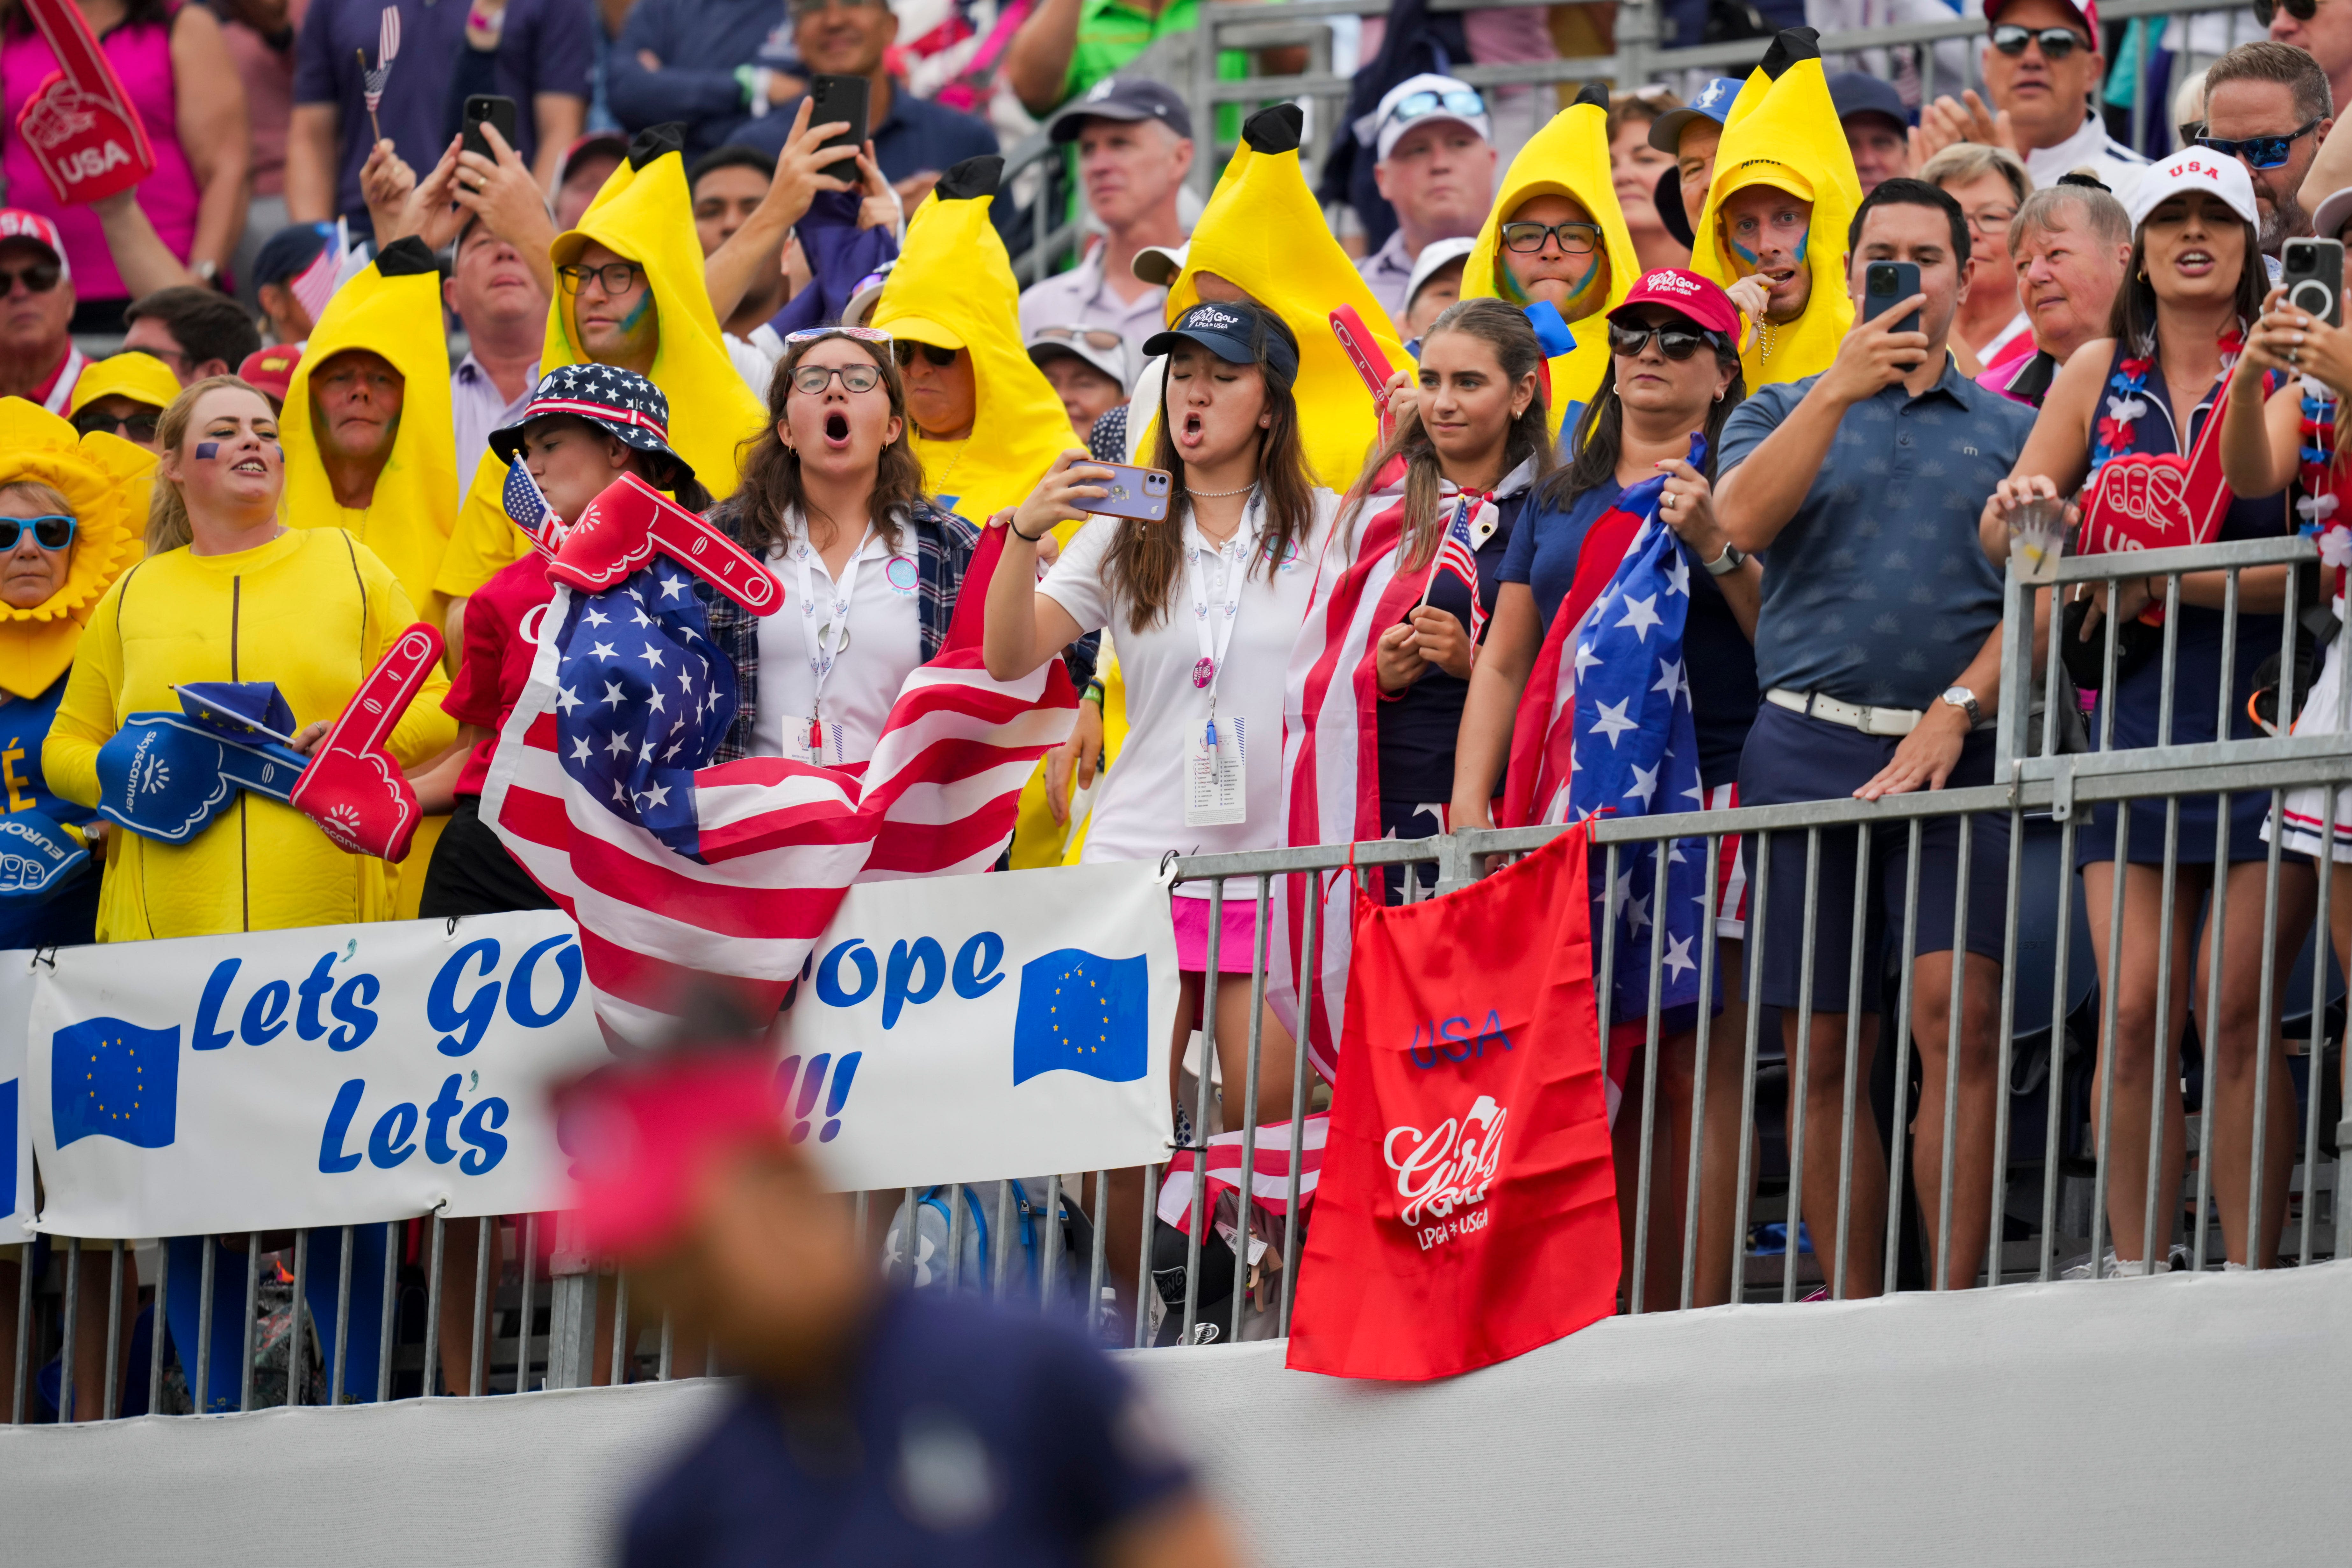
<point x="571" y="1310"/>
<point x="1637" y="43"/>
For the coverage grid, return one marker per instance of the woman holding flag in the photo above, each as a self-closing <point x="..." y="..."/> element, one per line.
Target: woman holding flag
<point x="1673" y="375"/>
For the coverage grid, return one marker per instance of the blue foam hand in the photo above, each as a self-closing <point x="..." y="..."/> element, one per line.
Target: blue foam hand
<point x="165" y="777"/>
<point x="1551" y="329"/>
<point x="38" y="858"/>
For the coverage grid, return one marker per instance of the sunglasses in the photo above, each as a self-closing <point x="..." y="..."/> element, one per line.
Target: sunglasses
<point x="50" y="531"/>
<point x="2259" y="151"/>
<point x="1456" y="100"/>
<point x="862" y="334"/>
<point x="1677" y="344"/>
<point x="614" y="277"/>
<point x="2300" y="10"/>
<point x="1101" y="338"/>
<point x="813" y="379"/>
<point x="131" y="426"/>
<point x="2056" y="43"/>
<point x="38" y="278"/>
<point x="933" y="354"/>
<point x="1575" y="238"/>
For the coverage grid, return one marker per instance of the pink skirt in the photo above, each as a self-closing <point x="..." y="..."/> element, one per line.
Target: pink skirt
<point x="1236" y="948"/>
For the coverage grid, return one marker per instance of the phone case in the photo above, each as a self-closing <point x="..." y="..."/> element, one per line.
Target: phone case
<point x="1136" y="492"/>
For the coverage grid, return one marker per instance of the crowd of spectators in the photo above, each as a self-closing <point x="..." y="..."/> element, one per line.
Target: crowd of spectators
<point x="232" y="416"/>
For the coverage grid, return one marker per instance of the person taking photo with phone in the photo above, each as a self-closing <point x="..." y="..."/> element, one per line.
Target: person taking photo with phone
<point x="2193" y="291"/>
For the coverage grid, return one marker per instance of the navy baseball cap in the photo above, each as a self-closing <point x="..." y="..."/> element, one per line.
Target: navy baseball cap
<point x="1235" y="334"/>
<point x="286" y="253"/>
<point x="1859" y="92"/>
<point x="1127" y="98"/>
<point x="1713" y="102"/>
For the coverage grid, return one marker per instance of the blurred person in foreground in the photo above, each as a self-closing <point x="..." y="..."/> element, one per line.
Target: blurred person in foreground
<point x="871" y="1424"/>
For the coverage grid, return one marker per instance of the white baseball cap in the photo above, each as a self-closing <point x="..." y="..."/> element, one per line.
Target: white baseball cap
<point x="2333" y="214"/>
<point x="1418" y="100"/>
<point x="1434" y="256"/>
<point x="1157" y="265"/>
<point x="2194" y="169"/>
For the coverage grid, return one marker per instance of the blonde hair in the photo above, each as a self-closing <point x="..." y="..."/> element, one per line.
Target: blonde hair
<point x="40" y="494"/>
<point x="167" y="508"/>
<point x="1965" y="161"/>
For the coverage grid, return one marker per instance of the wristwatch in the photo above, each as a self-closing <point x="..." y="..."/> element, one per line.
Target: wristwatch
<point x="1732" y="559"/>
<point x="1961" y="697"/>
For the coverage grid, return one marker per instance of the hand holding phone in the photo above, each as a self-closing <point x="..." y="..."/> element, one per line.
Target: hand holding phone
<point x="2312" y="272"/>
<point x="847" y="98"/>
<point x="489" y="109"/>
<point x="1133" y="491"/>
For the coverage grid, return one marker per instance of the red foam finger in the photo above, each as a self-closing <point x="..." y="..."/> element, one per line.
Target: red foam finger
<point x="352" y="788"/>
<point x="621" y="530"/>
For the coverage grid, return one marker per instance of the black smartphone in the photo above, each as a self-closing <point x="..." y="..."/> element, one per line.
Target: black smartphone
<point x="1886" y="284"/>
<point x="841" y="98"/>
<point x="489" y="109"/>
<point x="2313" y="272"/>
<point x="1140" y="493"/>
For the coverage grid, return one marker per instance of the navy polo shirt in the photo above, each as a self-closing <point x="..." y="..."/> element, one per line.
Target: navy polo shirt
<point x="959" y="1434"/>
<point x="1877" y="590"/>
<point x="917" y="136"/>
<point x="1419" y="725"/>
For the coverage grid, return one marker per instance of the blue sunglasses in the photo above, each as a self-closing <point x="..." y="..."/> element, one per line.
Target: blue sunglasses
<point x="51" y="531"/>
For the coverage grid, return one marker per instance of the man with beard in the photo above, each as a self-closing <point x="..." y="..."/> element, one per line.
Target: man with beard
<point x="2268" y="105"/>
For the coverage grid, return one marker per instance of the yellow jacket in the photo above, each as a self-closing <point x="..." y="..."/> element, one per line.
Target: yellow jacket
<point x="645" y="215"/>
<point x="1783" y="131"/>
<point x="105" y="480"/>
<point x="313" y="610"/>
<point x="409" y="523"/>
<point x="1569" y="157"/>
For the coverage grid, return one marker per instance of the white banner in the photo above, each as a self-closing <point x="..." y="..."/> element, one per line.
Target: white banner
<point x="970" y="1028"/>
<point x="15" y="1133"/>
<point x="950" y="1029"/>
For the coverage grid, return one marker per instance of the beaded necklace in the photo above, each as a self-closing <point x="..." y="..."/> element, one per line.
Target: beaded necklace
<point x="2129" y="399"/>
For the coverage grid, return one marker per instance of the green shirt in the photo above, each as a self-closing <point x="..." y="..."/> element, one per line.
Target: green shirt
<point x="1111" y="33"/>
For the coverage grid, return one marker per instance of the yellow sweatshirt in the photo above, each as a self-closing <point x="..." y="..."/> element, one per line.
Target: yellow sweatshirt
<point x="313" y="610"/>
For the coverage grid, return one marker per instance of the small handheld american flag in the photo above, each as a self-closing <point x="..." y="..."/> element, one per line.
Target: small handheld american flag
<point x="1458" y="554"/>
<point x="387" y="45"/>
<point x="528" y="510"/>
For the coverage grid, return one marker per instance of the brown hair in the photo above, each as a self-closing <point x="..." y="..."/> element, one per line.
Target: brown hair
<point x="2132" y="320"/>
<point x="1601" y="434"/>
<point x="167" y="508"/>
<point x="1144" y="557"/>
<point x="1507" y="331"/>
<point x="2265" y="59"/>
<point x="771" y="471"/>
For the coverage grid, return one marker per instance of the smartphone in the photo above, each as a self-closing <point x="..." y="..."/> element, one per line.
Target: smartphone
<point x="1886" y="284"/>
<point x="489" y="109"/>
<point x="2313" y="272"/>
<point x="841" y="98"/>
<point x="1140" y="493"/>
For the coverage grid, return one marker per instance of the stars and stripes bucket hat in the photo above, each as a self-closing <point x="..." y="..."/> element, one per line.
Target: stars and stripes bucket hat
<point x="621" y="403"/>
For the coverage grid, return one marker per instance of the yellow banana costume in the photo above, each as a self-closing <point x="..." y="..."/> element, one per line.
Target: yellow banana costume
<point x="953" y="288"/>
<point x="392" y="309"/>
<point x="1263" y="233"/>
<point x="141" y="377"/>
<point x="1569" y="157"/>
<point x="1783" y="131"/>
<point x="644" y="214"/>
<point x="105" y="479"/>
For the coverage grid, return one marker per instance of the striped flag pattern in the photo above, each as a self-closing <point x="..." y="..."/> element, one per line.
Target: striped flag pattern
<point x="1269" y="1167"/>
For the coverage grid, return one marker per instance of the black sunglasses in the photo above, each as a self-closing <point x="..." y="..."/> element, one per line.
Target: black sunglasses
<point x="2259" y="151"/>
<point x="1676" y="343"/>
<point x="131" y="427"/>
<point x="2300" y="10"/>
<point x="51" y="532"/>
<point x="2056" y="43"/>
<point x="38" y="278"/>
<point x="904" y="350"/>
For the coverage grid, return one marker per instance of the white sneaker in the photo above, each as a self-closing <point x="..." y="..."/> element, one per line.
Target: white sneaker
<point x="2111" y="1268"/>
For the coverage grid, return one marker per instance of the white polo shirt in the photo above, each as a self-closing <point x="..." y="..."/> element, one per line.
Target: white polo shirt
<point x="1138" y="811"/>
<point x="885" y="643"/>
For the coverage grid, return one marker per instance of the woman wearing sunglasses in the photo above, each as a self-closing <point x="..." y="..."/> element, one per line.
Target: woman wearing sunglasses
<point x="2193" y="290"/>
<point x="124" y="394"/>
<point x="1674" y="371"/>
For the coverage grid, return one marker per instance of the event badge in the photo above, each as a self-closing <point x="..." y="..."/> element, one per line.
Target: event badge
<point x="1217" y="787"/>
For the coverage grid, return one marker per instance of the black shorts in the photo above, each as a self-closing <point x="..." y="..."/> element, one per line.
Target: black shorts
<point x="1791" y="757"/>
<point x="472" y="874"/>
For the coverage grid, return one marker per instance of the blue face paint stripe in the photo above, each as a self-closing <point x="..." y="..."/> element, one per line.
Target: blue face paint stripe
<point x="645" y="303"/>
<point x="207" y="450"/>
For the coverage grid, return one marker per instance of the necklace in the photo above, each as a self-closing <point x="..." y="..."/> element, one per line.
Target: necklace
<point x="942" y="488"/>
<point x="1220" y="495"/>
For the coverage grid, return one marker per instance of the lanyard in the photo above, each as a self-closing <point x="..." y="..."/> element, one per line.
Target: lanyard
<point x="1214" y="625"/>
<point x="821" y="659"/>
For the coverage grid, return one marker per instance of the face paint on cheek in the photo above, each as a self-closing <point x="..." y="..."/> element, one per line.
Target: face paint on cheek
<point x="1584" y="284"/>
<point x="208" y="450"/>
<point x="1804" y="241"/>
<point x="645" y="304"/>
<point x="1746" y="256"/>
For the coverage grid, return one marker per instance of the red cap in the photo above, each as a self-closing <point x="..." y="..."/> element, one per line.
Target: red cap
<point x="1686" y="294"/>
<point x="2086" y="10"/>
<point x="640" y="1139"/>
<point x="16" y="222"/>
<point x="271" y="369"/>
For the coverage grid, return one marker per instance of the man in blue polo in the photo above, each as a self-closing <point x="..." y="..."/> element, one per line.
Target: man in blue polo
<point x="1879" y="647"/>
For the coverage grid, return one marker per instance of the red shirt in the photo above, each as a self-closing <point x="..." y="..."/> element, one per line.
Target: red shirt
<point x="502" y="628"/>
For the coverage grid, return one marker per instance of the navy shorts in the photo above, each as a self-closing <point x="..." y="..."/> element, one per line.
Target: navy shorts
<point x="1791" y="757"/>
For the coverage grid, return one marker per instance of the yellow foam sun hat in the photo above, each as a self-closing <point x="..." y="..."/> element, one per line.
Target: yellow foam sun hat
<point x="141" y="377"/>
<point x="105" y="480"/>
<point x="1569" y="157"/>
<point x="643" y="214"/>
<point x="1783" y="132"/>
<point x="1263" y="231"/>
<point x="392" y="309"/>
<point x="953" y="288"/>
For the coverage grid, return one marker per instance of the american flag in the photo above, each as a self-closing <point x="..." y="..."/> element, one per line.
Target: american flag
<point x="528" y="510"/>
<point x="675" y="870"/>
<point x="387" y="45"/>
<point x="1458" y="553"/>
<point x="1269" y="1168"/>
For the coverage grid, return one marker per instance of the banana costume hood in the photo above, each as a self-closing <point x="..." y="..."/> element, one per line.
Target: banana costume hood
<point x="392" y="309"/>
<point x="953" y="288"/>
<point x="645" y="215"/>
<point x="1783" y="131"/>
<point x="1263" y="231"/>
<point x="1569" y="157"/>
<point x="105" y="480"/>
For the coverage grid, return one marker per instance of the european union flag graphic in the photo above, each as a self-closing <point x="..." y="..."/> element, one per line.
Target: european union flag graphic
<point x="116" y="1079"/>
<point x="1082" y="1012"/>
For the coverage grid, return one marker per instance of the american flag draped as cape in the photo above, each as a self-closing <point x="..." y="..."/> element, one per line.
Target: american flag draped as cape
<point x="1331" y="763"/>
<point x="675" y="870"/>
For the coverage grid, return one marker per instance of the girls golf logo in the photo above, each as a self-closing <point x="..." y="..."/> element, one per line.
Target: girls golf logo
<point x="1441" y="1175"/>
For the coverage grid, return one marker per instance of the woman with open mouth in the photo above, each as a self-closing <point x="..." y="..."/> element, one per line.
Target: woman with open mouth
<point x="2193" y="291"/>
<point x="833" y="498"/>
<point x="1206" y="603"/>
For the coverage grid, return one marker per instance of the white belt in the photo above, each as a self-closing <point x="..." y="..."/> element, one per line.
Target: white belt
<point x="1859" y="716"/>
